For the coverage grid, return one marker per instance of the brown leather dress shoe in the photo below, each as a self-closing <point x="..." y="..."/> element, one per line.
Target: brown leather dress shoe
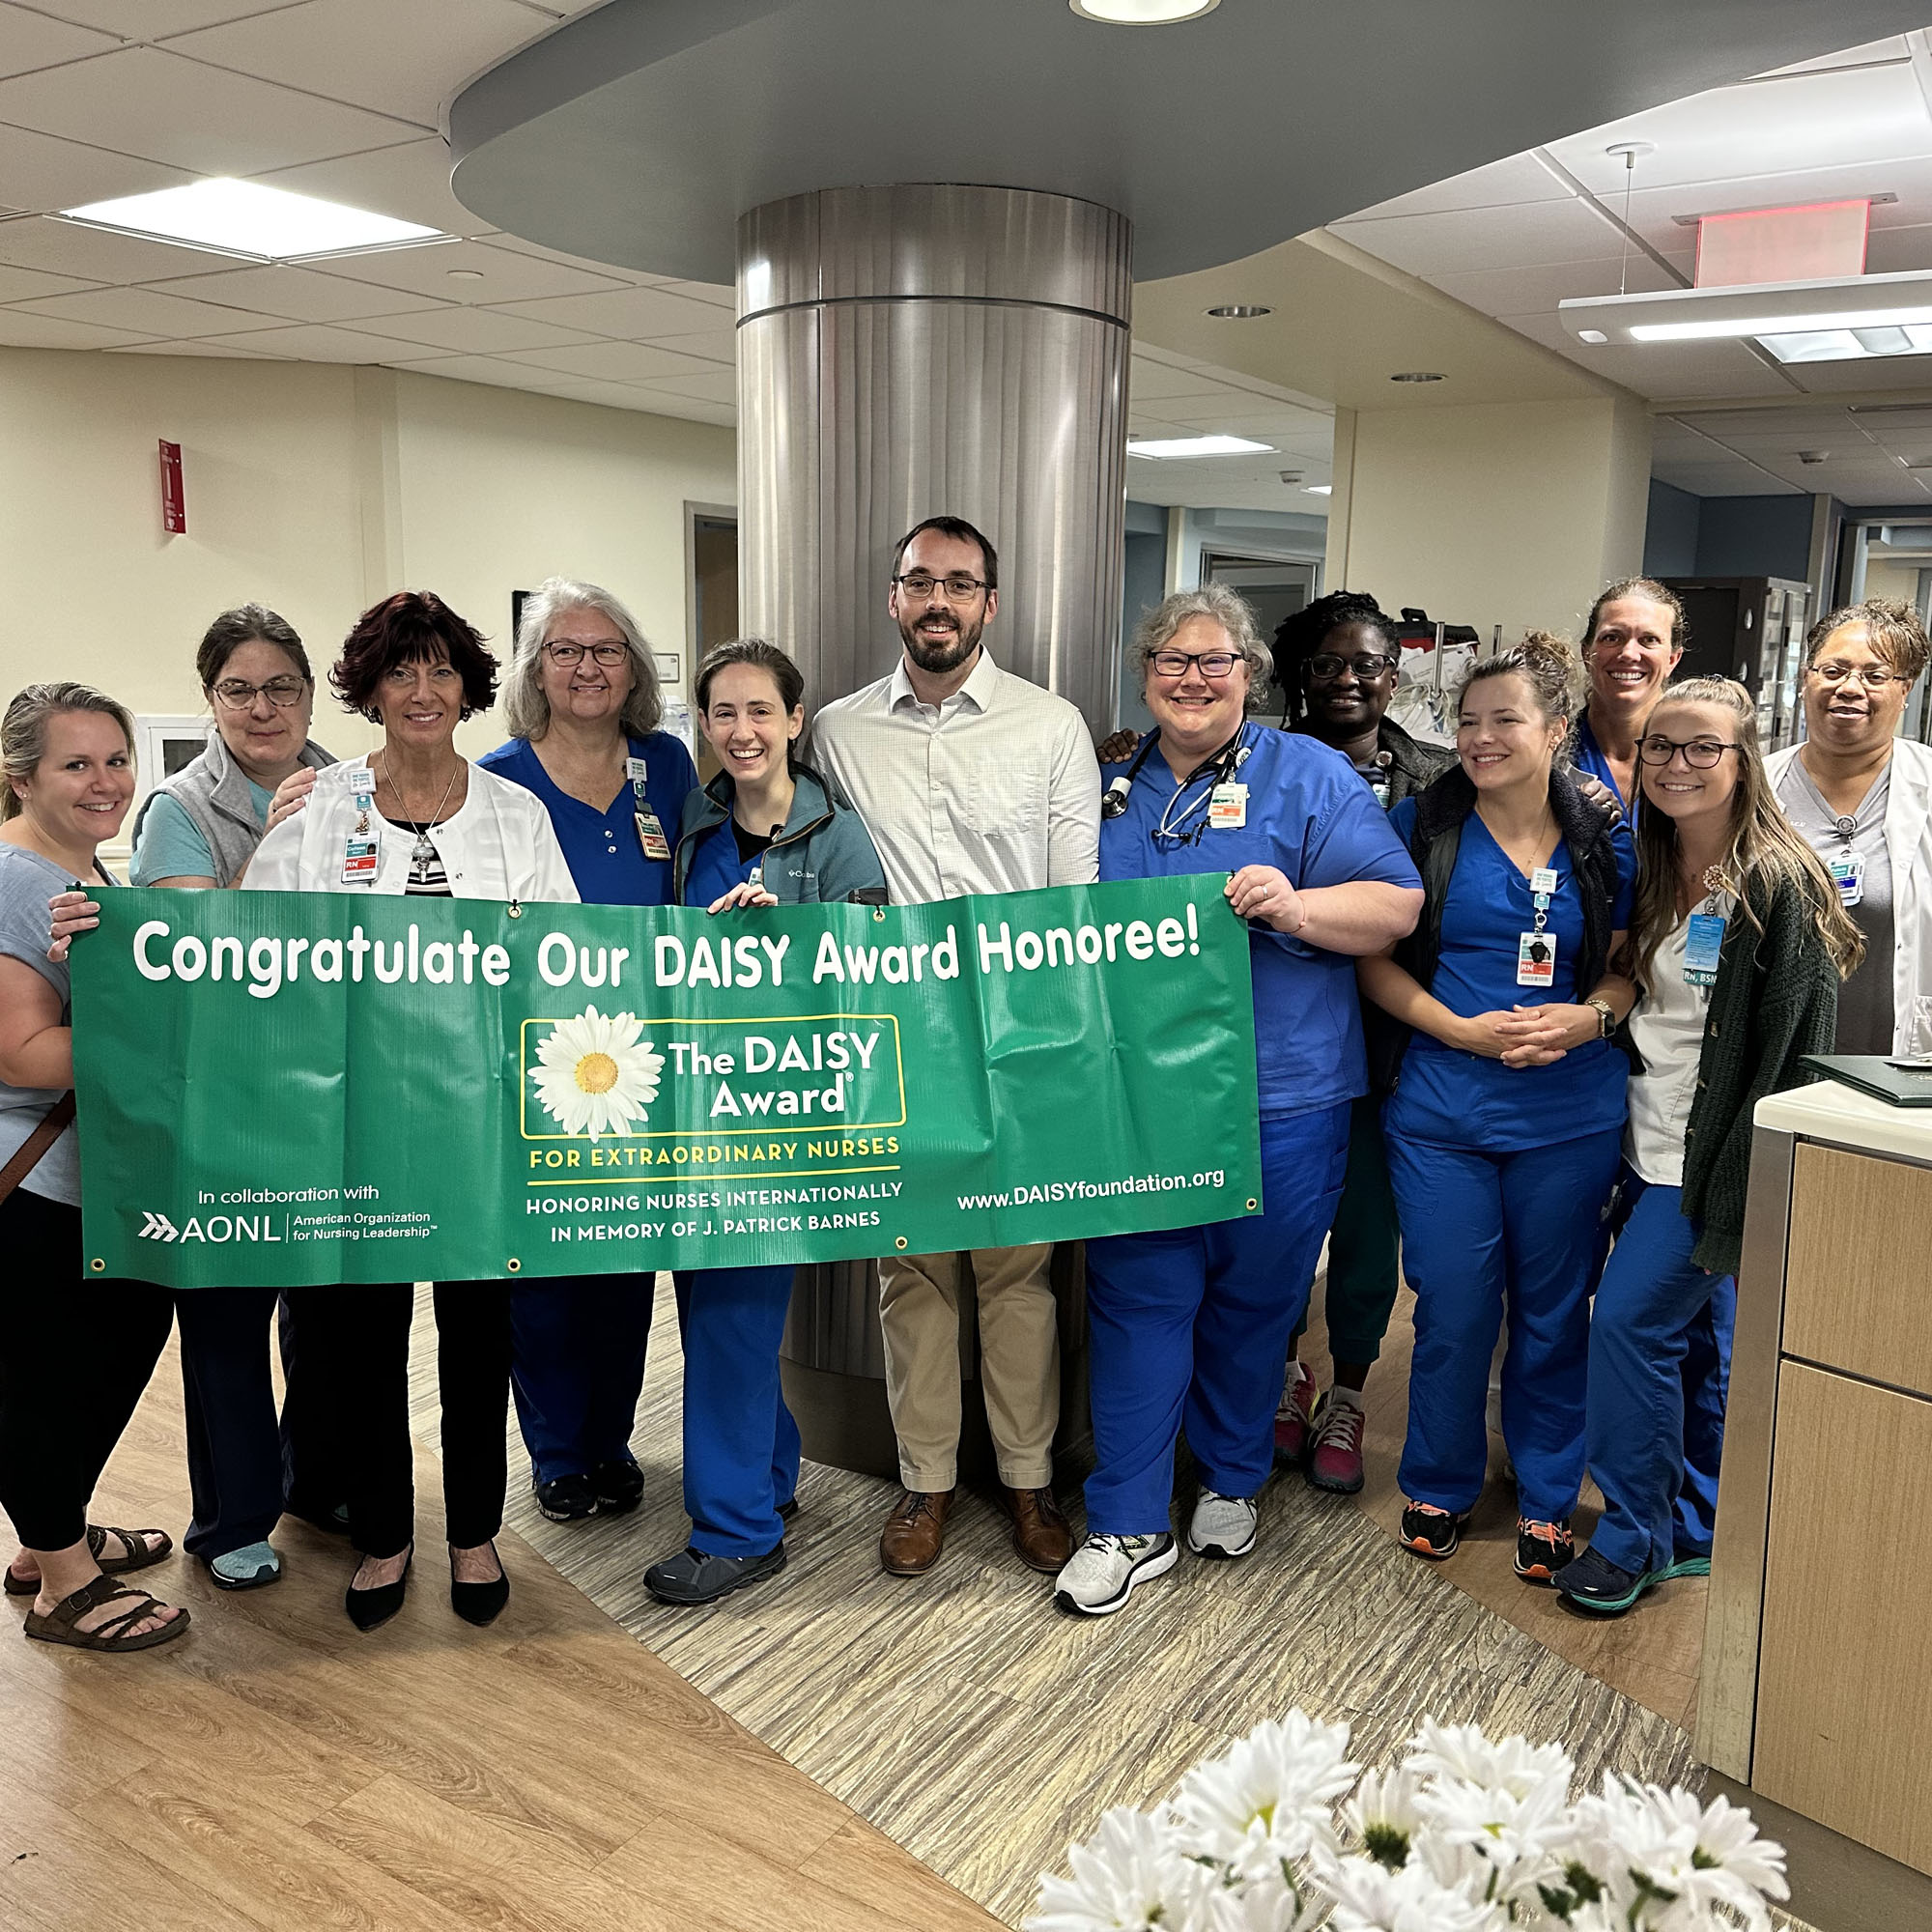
<point x="1040" y="1532"/>
<point x="914" y="1533"/>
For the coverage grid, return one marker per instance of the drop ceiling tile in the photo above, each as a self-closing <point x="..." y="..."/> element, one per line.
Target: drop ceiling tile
<point x="1503" y="184"/>
<point x="1890" y="251"/>
<point x="1526" y="234"/>
<point x="145" y="312"/>
<point x="409" y="181"/>
<point x="68" y="248"/>
<point x="470" y="272"/>
<point x="713" y="345"/>
<point x="627" y="314"/>
<point x="317" y="343"/>
<point x="427" y="48"/>
<point x="631" y="277"/>
<point x="1152" y="381"/>
<point x="294" y="294"/>
<point x="720" y="295"/>
<point x="20" y="328"/>
<point x="191" y="116"/>
<point x="19" y="285"/>
<point x="152" y="19"/>
<point x="31" y="39"/>
<point x="616" y="363"/>
<point x="1893" y="372"/>
<point x="686" y="409"/>
<point x="480" y="331"/>
<point x="206" y="346"/>
<point x="1525" y="291"/>
<point x="612" y="395"/>
<point x="716" y="388"/>
<point x="490" y="369"/>
<point x="42" y="173"/>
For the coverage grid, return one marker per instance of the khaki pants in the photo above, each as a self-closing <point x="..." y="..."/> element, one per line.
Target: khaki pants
<point x="1019" y="1362"/>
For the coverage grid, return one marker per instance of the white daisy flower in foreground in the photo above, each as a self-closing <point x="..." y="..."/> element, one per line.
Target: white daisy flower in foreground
<point x="1128" y="1877"/>
<point x="593" y="1076"/>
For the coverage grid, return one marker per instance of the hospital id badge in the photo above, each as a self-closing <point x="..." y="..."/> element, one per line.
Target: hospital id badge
<point x="1703" y="947"/>
<point x="651" y="836"/>
<point x="1227" y="807"/>
<point x="1535" y="959"/>
<point x="358" y="860"/>
<point x="1849" y="875"/>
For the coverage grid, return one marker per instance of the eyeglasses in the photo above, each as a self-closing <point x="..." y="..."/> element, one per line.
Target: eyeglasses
<point x="1700" y="754"/>
<point x="958" y="590"/>
<point x="565" y="656"/>
<point x="1365" y="668"/>
<point x="1213" y="664"/>
<point x="282" y="691"/>
<point x="1874" y="677"/>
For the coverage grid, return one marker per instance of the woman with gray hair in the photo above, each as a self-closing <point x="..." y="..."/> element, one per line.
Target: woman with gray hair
<point x="583" y="709"/>
<point x="1189" y="1326"/>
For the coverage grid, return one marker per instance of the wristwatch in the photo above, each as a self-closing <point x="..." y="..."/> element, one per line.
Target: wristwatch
<point x="1606" y="1015"/>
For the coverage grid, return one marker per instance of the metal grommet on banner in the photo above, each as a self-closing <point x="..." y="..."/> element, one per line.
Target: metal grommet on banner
<point x="513" y="1264"/>
<point x="516" y="908"/>
<point x="1253" y="1203"/>
<point x="98" y="1265"/>
<point x="878" y="914"/>
<point x="899" y="1241"/>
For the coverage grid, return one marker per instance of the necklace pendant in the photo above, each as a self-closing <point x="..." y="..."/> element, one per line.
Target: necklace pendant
<point x="422" y="851"/>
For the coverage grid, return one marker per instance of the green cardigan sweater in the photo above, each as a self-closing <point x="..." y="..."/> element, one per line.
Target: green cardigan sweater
<point x="1776" y="1000"/>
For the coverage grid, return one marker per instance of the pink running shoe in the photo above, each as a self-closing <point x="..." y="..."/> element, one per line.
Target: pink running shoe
<point x="1291" y="1419"/>
<point x="1335" y="1459"/>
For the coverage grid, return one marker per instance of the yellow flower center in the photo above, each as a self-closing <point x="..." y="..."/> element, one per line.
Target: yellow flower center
<point x="596" y="1073"/>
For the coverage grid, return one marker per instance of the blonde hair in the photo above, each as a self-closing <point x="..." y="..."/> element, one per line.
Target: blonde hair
<point x="1546" y="662"/>
<point x="1764" y="846"/>
<point x="24" y="732"/>
<point x="525" y="708"/>
<point x="1221" y="606"/>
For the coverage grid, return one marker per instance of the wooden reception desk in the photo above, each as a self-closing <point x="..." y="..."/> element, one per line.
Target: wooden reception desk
<point x="1817" y="1679"/>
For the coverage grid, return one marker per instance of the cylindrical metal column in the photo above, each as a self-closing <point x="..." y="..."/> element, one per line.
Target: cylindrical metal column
<point x="906" y="352"/>
<point x="923" y="351"/>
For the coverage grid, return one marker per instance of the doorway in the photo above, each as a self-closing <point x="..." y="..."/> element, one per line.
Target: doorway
<point x="711" y="573"/>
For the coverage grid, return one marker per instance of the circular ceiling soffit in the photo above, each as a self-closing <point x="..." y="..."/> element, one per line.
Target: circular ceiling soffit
<point x="1142" y="13"/>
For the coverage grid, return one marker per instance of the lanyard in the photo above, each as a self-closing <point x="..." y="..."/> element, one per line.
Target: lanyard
<point x="1218" y="769"/>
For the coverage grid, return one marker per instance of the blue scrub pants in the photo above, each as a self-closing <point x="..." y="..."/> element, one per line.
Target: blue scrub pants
<point x="1188" y="1329"/>
<point x="1653" y="1413"/>
<point x="740" y="1441"/>
<point x="1487" y="1236"/>
<point x="234" y="1445"/>
<point x="578" y="1368"/>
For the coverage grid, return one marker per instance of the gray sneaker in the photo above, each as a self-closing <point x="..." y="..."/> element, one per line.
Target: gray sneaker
<point x="1223" y="1525"/>
<point x="1105" y="1571"/>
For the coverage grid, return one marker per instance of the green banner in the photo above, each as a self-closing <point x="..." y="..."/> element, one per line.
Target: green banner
<point x="286" y="1087"/>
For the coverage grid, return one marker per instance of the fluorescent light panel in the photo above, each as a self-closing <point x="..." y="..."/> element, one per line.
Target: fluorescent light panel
<point x="1197" y="445"/>
<point x="1779" y="325"/>
<point x="1900" y="301"/>
<point x="257" y="224"/>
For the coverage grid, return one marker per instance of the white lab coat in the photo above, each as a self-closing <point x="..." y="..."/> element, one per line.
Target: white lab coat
<point x="1908" y="845"/>
<point x="499" y="845"/>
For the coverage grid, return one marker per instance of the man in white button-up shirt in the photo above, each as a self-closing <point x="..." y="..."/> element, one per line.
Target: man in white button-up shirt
<point x="970" y="780"/>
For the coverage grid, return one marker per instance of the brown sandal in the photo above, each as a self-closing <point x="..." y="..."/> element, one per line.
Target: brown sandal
<point x="59" y="1625"/>
<point x="138" y="1558"/>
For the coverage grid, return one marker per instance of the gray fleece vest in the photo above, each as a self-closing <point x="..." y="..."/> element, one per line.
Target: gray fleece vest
<point x="214" y="792"/>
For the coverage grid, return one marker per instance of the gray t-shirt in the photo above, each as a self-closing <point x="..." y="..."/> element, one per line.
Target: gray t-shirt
<point x="1865" y="1000"/>
<point x="27" y="882"/>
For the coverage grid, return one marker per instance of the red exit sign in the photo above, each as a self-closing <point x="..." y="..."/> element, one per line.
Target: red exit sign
<point x="174" y="500"/>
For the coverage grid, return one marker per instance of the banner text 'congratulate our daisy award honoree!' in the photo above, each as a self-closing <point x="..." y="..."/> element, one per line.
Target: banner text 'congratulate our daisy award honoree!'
<point x="295" y="1088"/>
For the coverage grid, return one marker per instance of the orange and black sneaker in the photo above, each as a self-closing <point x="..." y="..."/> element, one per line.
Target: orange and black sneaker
<point x="1541" y="1549"/>
<point x="1432" y="1532"/>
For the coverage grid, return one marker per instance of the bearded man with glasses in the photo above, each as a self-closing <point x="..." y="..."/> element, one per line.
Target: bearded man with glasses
<point x="970" y="780"/>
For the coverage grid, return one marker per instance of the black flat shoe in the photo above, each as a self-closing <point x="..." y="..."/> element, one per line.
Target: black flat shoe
<point x="567" y="1498"/>
<point x="619" y="1487"/>
<point x="480" y="1603"/>
<point x="369" y="1607"/>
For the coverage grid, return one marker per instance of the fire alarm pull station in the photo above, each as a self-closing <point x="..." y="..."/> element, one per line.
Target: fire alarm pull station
<point x="174" y="501"/>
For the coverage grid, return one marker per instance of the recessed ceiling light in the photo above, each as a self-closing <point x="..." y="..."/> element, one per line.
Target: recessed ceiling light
<point x="1196" y="445"/>
<point x="466" y="275"/>
<point x="244" y="219"/>
<point x="1319" y="489"/>
<point x="1418" y="375"/>
<point x="1240" y="311"/>
<point x="1142" y="13"/>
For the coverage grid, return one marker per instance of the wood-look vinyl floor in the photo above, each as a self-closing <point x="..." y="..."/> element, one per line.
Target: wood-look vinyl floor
<point x="275" y="1770"/>
<point x="983" y="1731"/>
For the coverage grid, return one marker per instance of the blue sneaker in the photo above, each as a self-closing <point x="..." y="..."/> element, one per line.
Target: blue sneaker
<point x="1596" y="1584"/>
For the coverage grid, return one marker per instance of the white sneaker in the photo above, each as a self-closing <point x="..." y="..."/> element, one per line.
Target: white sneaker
<point x="1223" y="1525"/>
<point x="1104" y="1571"/>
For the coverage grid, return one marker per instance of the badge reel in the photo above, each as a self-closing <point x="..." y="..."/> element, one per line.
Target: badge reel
<point x="650" y="830"/>
<point x="359" y="848"/>
<point x="1536" y="950"/>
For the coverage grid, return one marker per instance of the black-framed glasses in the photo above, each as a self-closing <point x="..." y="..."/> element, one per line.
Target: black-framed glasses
<point x="565" y="656"/>
<point x="238" y="695"/>
<point x="1700" y="754"/>
<point x="1214" y="664"/>
<point x="958" y="587"/>
<point x="1366" y="667"/>
<point x="1874" y="677"/>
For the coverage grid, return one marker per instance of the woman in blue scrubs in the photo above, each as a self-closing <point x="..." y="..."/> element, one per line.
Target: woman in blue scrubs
<point x="1189" y="1326"/>
<point x="584" y="710"/>
<point x="1507" y="1115"/>
<point x="766" y="831"/>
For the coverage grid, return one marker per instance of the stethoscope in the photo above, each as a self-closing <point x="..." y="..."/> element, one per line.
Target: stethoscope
<point x="1222" y="766"/>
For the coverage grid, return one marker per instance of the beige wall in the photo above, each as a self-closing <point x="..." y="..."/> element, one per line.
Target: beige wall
<point x="1887" y="578"/>
<point x="315" y="490"/>
<point x="1492" y="513"/>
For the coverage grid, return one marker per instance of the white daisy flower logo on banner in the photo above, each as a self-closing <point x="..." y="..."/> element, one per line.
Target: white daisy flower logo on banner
<point x="593" y="1076"/>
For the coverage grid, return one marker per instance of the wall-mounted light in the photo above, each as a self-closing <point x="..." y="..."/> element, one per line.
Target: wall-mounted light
<point x="1240" y="311"/>
<point x="1142" y="13"/>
